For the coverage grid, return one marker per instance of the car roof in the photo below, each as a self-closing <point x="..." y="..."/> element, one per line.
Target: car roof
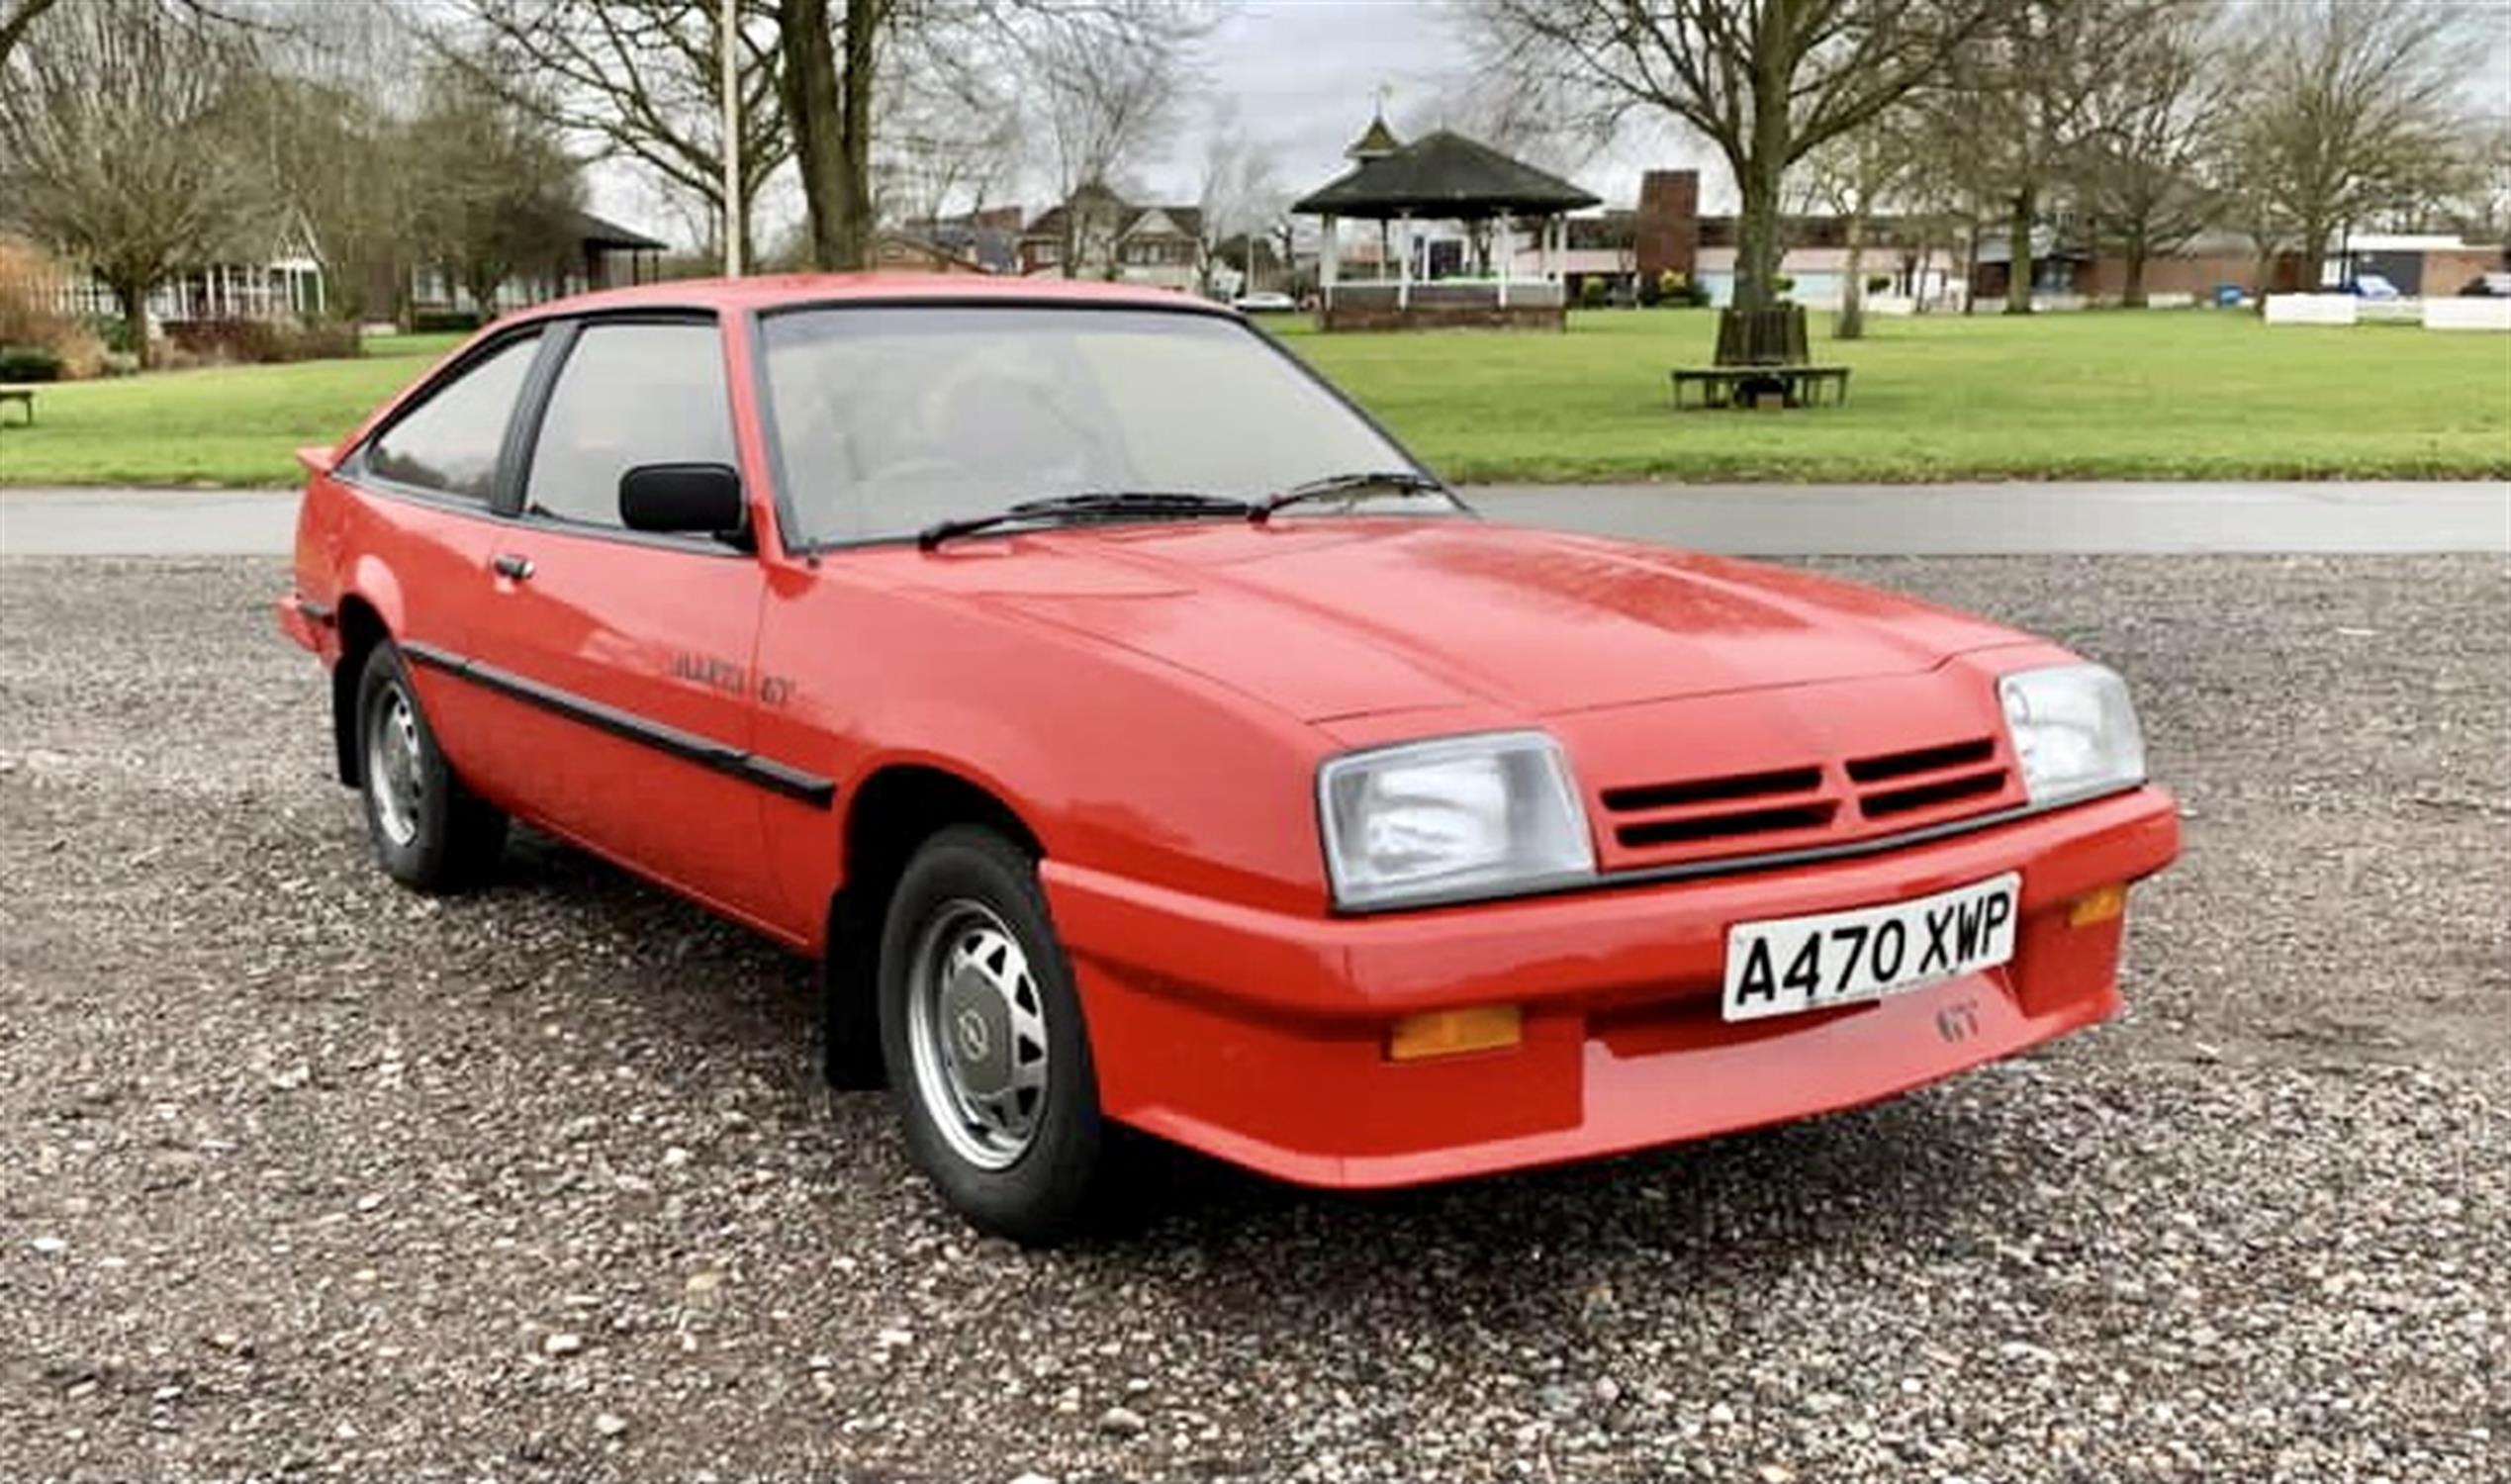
<point x="785" y="290"/>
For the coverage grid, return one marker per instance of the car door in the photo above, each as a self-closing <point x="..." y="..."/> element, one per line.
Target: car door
<point x="421" y="540"/>
<point x="621" y="659"/>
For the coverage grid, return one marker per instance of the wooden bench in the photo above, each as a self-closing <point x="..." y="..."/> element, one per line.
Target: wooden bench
<point x="23" y="396"/>
<point x="1799" y="386"/>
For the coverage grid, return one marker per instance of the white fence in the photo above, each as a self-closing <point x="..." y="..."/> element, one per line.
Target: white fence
<point x="2312" y="309"/>
<point x="2467" y="313"/>
<point x="2433" y="314"/>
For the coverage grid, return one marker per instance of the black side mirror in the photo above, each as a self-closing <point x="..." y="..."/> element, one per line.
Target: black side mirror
<point x="689" y="498"/>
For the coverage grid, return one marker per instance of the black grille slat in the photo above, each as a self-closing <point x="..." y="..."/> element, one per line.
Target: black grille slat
<point x="1886" y="803"/>
<point x="1720" y="826"/>
<point x="1895" y="765"/>
<point x="1712" y="790"/>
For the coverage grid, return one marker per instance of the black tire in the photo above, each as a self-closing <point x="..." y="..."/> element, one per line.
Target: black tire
<point x="445" y="838"/>
<point x="1047" y="1191"/>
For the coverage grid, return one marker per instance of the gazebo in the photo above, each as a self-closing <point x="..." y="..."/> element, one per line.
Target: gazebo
<point x="1443" y="176"/>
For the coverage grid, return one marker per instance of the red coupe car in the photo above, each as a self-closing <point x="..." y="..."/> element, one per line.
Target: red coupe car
<point x="1138" y="735"/>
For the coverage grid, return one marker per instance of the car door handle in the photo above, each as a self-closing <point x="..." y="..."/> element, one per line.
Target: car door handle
<point x="513" y="567"/>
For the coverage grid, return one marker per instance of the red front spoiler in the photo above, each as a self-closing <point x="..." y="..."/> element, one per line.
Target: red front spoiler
<point x="1259" y="1036"/>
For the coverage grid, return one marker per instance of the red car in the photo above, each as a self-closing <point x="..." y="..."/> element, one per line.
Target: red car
<point x="1138" y="736"/>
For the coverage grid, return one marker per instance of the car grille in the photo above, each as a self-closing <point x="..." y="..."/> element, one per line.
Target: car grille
<point x="1809" y="804"/>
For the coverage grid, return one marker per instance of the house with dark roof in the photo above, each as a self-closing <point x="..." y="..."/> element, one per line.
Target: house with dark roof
<point x="600" y="255"/>
<point x="1095" y="234"/>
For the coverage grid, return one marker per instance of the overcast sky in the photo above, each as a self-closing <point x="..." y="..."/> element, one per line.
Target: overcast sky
<point x="1304" y="75"/>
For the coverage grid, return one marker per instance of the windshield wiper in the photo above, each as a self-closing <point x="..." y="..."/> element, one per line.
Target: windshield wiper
<point x="1404" y="481"/>
<point x="1089" y="504"/>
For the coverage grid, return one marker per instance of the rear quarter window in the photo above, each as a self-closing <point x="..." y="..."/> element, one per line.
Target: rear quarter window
<point x="449" y="443"/>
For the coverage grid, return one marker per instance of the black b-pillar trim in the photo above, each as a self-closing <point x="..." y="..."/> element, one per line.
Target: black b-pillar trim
<point x="705" y="752"/>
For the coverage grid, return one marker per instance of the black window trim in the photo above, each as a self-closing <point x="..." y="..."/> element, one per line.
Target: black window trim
<point x="762" y="396"/>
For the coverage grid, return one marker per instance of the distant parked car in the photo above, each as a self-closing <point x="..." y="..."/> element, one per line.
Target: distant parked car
<point x="2487" y="286"/>
<point x="1267" y="303"/>
<point x="2373" y="286"/>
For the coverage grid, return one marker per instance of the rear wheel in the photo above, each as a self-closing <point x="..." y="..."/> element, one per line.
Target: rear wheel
<point x="980" y="1030"/>
<point x="429" y="831"/>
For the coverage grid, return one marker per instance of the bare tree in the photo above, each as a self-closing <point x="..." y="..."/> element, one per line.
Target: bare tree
<point x="501" y="194"/>
<point x="2480" y="208"/>
<point x="2149" y="164"/>
<point x="1238" y="195"/>
<point x="1101" y="106"/>
<point x="640" y="80"/>
<point x="2350" y="106"/>
<point x="109" y="114"/>
<point x="1764" y="81"/>
<point x="16" y="17"/>
<point x="1851" y="176"/>
<point x="2023" y="98"/>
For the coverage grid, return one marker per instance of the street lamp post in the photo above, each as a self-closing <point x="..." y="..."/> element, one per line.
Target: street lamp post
<point x="731" y="82"/>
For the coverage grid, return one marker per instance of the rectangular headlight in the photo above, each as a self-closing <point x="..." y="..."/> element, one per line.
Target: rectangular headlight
<point x="2075" y="731"/>
<point x="1458" y="816"/>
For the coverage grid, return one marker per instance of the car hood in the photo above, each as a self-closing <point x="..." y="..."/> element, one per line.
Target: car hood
<point x="1331" y="619"/>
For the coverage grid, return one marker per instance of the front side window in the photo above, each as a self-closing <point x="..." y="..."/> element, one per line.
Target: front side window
<point x="448" y="444"/>
<point x="630" y="394"/>
<point x="890" y="420"/>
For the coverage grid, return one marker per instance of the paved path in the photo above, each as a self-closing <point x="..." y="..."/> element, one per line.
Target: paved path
<point x="1748" y="520"/>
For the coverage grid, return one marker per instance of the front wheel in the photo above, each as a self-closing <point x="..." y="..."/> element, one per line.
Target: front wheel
<point x="981" y="1032"/>
<point x="429" y="831"/>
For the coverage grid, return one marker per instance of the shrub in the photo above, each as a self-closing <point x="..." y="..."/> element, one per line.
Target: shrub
<point x="1592" y="293"/>
<point x="29" y="283"/>
<point x="1878" y="283"/>
<point x="263" y="341"/>
<point x="440" y="321"/>
<point x="29" y="363"/>
<point x="113" y="332"/>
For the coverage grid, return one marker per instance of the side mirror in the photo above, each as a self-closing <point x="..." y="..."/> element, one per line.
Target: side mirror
<point x="686" y="498"/>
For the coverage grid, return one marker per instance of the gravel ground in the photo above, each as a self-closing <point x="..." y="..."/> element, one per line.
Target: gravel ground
<point x="302" y="1175"/>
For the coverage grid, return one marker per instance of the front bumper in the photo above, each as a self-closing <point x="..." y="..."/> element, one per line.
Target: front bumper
<point x="1259" y="1036"/>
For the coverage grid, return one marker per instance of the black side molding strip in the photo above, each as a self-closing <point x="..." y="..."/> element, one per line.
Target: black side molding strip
<point x="705" y="752"/>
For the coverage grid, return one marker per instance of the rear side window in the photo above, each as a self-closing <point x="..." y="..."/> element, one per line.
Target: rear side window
<point x="629" y="395"/>
<point x="449" y="442"/>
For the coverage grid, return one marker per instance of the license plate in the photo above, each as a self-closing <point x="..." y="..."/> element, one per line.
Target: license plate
<point x="1784" y="965"/>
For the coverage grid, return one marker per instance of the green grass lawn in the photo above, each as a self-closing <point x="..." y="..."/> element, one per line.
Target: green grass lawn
<point x="2157" y="395"/>
<point x="228" y="425"/>
<point x="2163" y="395"/>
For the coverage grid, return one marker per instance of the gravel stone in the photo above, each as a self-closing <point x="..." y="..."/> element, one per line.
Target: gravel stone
<point x="2256" y="1230"/>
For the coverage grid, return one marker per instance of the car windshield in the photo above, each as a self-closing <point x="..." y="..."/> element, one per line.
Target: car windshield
<point x="887" y="420"/>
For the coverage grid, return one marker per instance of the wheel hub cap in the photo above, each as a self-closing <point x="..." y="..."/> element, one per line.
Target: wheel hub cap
<point x="394" y="772"/>
<point x="977" y="1029"/>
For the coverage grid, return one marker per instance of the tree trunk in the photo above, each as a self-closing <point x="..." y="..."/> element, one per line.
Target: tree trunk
<point x="481" y="284"/>
<point x="1970" y="266"/>
<point x="1852" y="290"/>
<point x="2018" y="252"/>
<point x="2314" y="256"/>
<point x="2132" y="293"/>
<point x="829" y="116"/>
<point x="131" y="296"/>
<point x="1758" y="245"/>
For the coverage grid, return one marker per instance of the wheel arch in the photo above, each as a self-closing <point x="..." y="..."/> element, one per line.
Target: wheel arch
<point x="892" y="811"/>
<point x="361" y="629"/>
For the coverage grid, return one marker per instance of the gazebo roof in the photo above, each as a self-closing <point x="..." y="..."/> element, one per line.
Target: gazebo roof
<point x="1443" y="174"/>
<point x="1375" y="143"/>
